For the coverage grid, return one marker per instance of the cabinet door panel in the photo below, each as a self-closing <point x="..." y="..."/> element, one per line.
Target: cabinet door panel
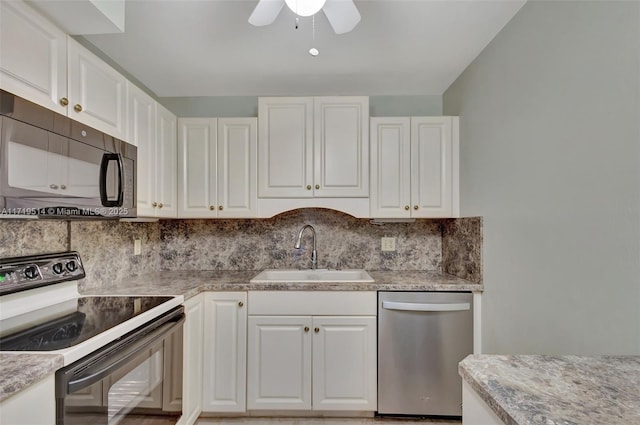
<point x="33" y="56"/>
<point x="98" y="89"/>
<point x="197" y="167"/>
<point x="237" y="156"/>
<point x="390" y="167"/>
<point x="431" y="166"/>
<point x="192" y="359"/>
<point x="141" y="114"/>
<point x="167" y="171"/>
<point x="279" y="364"/>
<point x="225" y="352"/>
<point x="344" y="363"/>
<point x="341" y="144"/>
<point x="285" y="146"/>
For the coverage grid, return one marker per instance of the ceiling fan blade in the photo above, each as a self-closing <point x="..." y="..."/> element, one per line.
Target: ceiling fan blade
<point x="266" y="12"/>
<point x="343" y="15"/>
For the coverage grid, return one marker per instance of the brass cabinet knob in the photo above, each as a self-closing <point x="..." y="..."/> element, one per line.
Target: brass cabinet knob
<point x="53" y="186"/>
<point x="160" y="205"/>
<point x="306" y="328"/>
<point x="406" y="207"/>
<point x="212" y="208"/>
<point x="64" y="101"/>
<point x="240" y="303"/>
<point x="220" y="208"/>
<point x="415" y="207"/>
<point x="63" y="187"/>
<point x="316" y="330"/>
<point x="317" y="186"/>
<point x="308" y="187"/>
<point x="77" y="108"/>
<point x="155" y="204"/>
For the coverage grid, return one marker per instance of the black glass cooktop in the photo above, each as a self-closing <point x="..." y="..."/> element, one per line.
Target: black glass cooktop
<point x="69" y="327"/>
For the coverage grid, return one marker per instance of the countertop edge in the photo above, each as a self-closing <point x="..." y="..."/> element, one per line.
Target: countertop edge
<point x="20" y="376"/>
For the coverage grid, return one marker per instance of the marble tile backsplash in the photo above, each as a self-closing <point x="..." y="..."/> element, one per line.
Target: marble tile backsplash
<point x="342" y="241"/>
<point x="106" y="247"/>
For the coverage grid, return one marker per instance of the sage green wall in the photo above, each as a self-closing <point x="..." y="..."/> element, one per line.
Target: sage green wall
<point x="550" y="157"/>
<point x="247" y="106"/>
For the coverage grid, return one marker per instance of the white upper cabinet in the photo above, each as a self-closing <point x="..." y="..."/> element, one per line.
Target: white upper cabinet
<point x="166" y="160"/>
<point x="285" y="147"/>
<point x="153" y="129"/>
<point x="313" y="147"/>
<point x="217" y="167"/>
<point x="414" y="167"/>
<point x="96" y="92"/>
<point x="33" y="56"/>
<point x="341" y="146"/>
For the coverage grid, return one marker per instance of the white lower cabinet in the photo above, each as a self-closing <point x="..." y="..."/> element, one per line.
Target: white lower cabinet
<point x="344" y="363"/>
<point x="475" y="410"/>
<point x="31" y="406"/>
<point x="192" y="360"/>
<point x="225" y="352"/>
<point x="326" y="360"/>
<point x="279" y="364"/>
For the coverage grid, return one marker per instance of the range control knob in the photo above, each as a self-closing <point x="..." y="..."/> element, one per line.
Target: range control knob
<point x="72" y="266"/>
<point x="57" y="268"/>
<point x="31" y="272"/>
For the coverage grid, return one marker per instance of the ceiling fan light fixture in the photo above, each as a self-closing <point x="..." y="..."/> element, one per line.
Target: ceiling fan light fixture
<point x="305" y="7"/>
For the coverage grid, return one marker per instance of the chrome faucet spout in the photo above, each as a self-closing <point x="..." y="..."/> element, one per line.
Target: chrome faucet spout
<point x="314" y="252"/>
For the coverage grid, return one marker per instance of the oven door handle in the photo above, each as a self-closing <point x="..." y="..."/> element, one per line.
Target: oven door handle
<point x="107" y="364"/>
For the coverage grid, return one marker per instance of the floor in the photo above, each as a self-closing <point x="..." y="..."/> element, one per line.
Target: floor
<point x="299" y="421"/>
<point x="322" y="421"/>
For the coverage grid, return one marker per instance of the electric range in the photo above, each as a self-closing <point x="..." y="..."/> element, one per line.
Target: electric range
<point x="42" y="311"/>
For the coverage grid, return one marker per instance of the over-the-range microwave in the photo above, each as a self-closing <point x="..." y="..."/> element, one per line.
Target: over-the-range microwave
<point x="54" y="167"/>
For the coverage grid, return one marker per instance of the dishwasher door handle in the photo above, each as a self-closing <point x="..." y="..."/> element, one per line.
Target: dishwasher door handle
<point x="394" y="305"/>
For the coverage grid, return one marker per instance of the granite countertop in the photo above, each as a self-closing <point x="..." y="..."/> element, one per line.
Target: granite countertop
<point x="190" y="283"/>
<point x="20" y="370"/>
<point x="557" y="390"/>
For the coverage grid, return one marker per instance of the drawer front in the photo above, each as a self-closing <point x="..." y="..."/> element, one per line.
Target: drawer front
<point x="342" y="303"/>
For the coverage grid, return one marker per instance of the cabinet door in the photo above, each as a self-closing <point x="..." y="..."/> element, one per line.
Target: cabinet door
<point x="432" y="167"/>
<point x="279" y="363"/>
<point x="390" y="167"/>
<point x="33" y="56"/>
<point x="237" y="168"/>
<point x="341" y="145"/>
<point x="344" y="363"/>
<point x="192" y="360"/>
<point x="166" y="160"/>
<point x="172" y="383"/>
<point x="285" y="147"/>
<point x="142" y="133"/>
<point x="225" y="352"/>
<point x="97" y="92"/>
<point x="197" y="173"/>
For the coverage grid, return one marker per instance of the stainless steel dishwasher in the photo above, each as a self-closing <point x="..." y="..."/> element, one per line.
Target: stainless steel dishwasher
<point x="422" y="336"/>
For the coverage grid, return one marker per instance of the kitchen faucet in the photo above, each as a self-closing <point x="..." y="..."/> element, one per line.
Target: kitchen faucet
<point x="314" y="253"/>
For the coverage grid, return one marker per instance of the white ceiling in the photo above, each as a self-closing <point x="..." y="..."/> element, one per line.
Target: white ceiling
<point x="207" y="47"/>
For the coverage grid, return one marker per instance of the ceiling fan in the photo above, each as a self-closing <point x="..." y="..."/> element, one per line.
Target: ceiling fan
<point x="342" y="14"/>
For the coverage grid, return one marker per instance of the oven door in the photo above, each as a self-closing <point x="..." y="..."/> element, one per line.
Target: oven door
<point x="129" y="380"/>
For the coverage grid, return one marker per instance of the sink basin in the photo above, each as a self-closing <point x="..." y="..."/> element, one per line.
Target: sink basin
<point x="319" y="275"/>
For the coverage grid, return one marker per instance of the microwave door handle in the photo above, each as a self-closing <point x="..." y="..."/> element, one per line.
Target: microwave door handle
<point x="111" y="365"/>
<point x="104" y="166"/>
<point x="404" y="306"/>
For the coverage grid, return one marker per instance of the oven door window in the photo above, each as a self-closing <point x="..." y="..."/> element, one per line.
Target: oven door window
<point x="122" y="397"/>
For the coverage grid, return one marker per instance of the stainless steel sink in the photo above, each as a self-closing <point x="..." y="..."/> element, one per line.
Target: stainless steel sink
<point x="318" y="275"/>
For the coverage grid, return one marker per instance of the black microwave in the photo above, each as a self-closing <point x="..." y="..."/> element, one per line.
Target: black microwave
<point x="54" y="167"/>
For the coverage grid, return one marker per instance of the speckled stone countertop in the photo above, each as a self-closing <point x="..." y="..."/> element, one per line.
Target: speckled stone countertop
<point x="557" y="390"/>
<point x="190" y="283"/>
<point x="19" y="370"/>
